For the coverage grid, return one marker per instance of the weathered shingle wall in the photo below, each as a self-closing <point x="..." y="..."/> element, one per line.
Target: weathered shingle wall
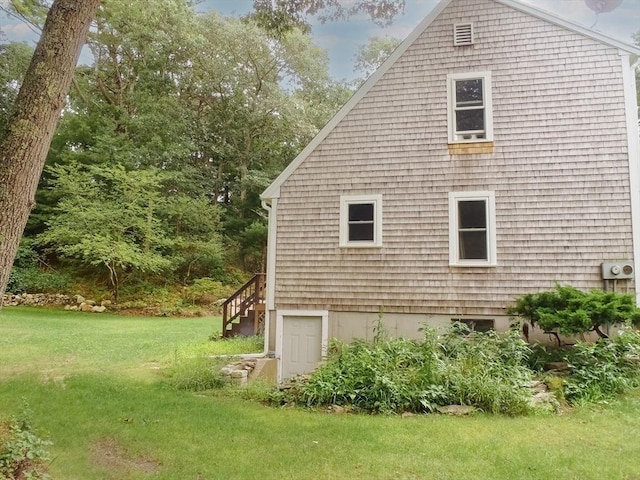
<point x="559" y="170"/>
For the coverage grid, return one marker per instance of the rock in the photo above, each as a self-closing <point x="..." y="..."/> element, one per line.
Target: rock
<point x="557" y="366"/>
<point x="106" y="303"/>
<point x="456" y="410"/>
<point x="79" y="299"/>
<point x="98" y="309"/>
<point x="90" y="302"/>
<point x="85" y="307"/>
<point x="336" y="409"/>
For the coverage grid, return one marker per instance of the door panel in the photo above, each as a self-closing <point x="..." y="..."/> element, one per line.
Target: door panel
<point x="302" y="345"/>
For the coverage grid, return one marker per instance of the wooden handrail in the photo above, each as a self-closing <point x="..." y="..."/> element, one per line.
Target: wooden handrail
<point x="237" y="305"/>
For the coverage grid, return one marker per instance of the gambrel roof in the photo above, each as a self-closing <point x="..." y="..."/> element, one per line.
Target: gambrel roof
<point x="273" y="191"/>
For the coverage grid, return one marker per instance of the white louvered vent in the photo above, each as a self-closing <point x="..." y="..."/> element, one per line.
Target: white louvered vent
<point x="463" y="34"/>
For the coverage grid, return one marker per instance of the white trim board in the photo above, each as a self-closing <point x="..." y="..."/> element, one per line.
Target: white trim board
<point x="273" y="190"/>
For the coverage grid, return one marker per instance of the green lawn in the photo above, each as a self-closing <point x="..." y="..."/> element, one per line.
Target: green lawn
<point x="96" y="389"/>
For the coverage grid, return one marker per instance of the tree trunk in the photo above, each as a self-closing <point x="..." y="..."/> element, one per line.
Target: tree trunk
<point x="23" y="150"/>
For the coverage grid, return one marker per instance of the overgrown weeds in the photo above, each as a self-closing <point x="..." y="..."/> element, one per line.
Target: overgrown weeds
<point x="395" y="375"/>
<point x="489" y="371"/>
<point x="23" y="455"/>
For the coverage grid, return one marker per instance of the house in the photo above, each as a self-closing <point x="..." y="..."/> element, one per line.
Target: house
<point x="495" y="153"/>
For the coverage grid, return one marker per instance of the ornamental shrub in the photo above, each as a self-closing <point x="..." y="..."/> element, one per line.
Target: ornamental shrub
<point x="570" y="311"/>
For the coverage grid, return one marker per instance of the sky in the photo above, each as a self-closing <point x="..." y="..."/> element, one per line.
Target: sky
<point x="342" y="39"/>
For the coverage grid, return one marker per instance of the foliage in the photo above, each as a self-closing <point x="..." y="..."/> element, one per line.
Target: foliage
<point x="196" y="374"/>
<point x="206" y="291"/>
<point x="392" y="375"/>
<point x="600" y="370"/>
<point x="487" y="370"/>
<point x="373" y="54"/>
<point x="23" y="455"/>
<point x="14" y="61"/>
<point x="201" y="135"/>
<point x="284" y="13"/>
<point x="31" y="274"/>
<point x="119" y="220"/>
<point x="571" y="311"/>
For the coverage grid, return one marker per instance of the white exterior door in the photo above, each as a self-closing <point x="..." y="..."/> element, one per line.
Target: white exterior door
<point x="302" y="344"/>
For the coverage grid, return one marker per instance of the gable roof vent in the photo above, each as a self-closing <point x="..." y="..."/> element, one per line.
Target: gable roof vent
<point x="463" y="34"/>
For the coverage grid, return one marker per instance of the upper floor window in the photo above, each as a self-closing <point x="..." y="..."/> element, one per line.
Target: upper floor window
<point x="361" y="221"/>
<point x="470" y="107"/>
<point x="472" y="230"/>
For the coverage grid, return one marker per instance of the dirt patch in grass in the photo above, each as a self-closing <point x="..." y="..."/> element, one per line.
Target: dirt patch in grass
<point x="108" y="454"/>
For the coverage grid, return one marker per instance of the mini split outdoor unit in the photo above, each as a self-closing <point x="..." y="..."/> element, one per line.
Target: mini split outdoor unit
<point x="617" y="270"/>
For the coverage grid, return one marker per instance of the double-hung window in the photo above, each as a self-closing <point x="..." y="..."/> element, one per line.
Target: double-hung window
<point x="470" y="107"/>
<point x="472" y="230"/>
<point x="361" y="221"/>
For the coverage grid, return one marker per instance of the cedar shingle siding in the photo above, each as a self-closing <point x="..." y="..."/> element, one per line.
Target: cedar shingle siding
<point x="559" y="169"/>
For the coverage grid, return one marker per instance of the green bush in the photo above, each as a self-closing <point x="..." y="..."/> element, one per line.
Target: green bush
<point x="196" y="374"/>
<point x="205" y="291"/>
<point x="23" y="454"/>
<point x="600" y="370"/>
<point x="35" y="280"/>
<point x="484" y="370"/>
<point x="488" y="371"/>
<point x="570" y="311"/>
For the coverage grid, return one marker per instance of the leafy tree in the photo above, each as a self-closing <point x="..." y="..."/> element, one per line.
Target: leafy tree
<point x="373" y="54"/>
<point x="570" y="311"/>
<point x="107" y="219"/>
<point x="289" y="13"/>
<point x="14" y="61"/>
<point x="24" y="145"/>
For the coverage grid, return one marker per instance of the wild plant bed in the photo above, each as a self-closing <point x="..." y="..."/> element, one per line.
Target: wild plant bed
<point x="491" y="372"/>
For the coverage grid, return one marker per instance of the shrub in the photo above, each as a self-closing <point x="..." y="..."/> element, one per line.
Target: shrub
<point x="23" y="454"/>
<point x="206" y="291"/>
<point x="488" y="371"/>
<point x="391" y="375"/>
<point x="571" y="311"/>
<point x="603" y="369"/>
<point x="196" y="374"/>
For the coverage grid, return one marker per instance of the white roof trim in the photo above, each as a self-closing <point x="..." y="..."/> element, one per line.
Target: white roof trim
<point x="550" y="17"/>
<point x="273" y="190"/>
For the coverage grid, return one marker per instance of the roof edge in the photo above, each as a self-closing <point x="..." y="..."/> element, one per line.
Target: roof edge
<point x="273" y="190"/>
<point x="552" y="18"/>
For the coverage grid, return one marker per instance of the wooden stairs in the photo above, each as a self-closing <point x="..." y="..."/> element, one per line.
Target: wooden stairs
<point x="243" y="313"/>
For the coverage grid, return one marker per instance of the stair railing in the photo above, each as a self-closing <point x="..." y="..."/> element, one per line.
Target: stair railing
<point x="246" y="297"/>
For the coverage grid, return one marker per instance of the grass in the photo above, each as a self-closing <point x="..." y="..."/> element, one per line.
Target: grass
<point x="120" y="420"/>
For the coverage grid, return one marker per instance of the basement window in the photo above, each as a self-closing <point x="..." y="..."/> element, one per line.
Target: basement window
<point x="482" y="325"/>
<point x="361" y="221"/>
<point x="470" y="107"/>
<point x="463" y="34"/>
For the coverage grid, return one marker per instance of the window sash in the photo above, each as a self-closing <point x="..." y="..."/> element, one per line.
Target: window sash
<point x="361" y="221"/>
<point x="469" y="112"/>
<point x="470" y="107"/>
<point x="472" y="229"/>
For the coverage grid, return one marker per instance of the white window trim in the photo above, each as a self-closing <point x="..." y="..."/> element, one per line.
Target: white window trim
<point x="347" y="200"/>
<point x="454" y="251"/>
<point x="488" y="106"/>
